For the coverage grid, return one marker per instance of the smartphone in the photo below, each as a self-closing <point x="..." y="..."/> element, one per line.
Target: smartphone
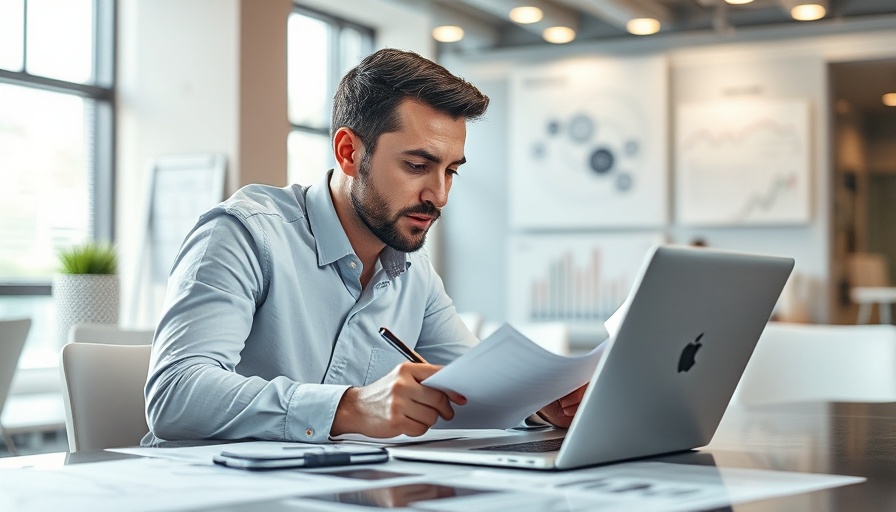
<point x="304" y="457"/>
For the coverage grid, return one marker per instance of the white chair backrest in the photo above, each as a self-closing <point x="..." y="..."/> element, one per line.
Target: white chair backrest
<point x="102" y="388"/>
<point x="801" y="363"/>
<point x="109" y="334"/>
<point x="13" y="334"/>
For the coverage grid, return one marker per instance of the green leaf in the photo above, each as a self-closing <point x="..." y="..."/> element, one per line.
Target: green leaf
<point x="89" y="258"/>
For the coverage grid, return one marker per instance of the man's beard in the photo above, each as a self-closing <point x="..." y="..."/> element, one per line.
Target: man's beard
<point x="373" y="210"/>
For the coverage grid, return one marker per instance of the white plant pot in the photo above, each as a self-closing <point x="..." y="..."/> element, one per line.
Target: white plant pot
<point x="84" y="298"/>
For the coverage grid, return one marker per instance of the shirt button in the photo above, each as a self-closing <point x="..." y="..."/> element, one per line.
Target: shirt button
<point x="309" y="432"/>
<point x="353" y="264"/>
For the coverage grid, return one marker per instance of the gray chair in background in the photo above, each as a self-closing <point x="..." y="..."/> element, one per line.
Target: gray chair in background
<point x="109" y="334"/>
<point x="13" y="334"/>
<point x="102" y="389"/>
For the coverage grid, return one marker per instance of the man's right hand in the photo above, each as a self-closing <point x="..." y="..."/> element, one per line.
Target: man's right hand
<point x="396" y="404"/>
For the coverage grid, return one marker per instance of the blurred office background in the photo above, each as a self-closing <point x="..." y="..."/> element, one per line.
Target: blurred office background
<point x="761" y="126"/>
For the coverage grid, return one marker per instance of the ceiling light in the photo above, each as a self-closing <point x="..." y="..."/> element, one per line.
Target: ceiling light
<point x="558" y="35"/>
<point x="448" y="33"/>
<point x="889" y="99"/>
<point x="807" y="12"/>
<point x="526" y="15"/>
<point x="738" y="2"/>
<point x="643" y="26"/>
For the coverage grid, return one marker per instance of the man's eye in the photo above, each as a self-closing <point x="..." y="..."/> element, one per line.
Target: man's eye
<point x="416" y="167"/>
<point x="452" y="172"/>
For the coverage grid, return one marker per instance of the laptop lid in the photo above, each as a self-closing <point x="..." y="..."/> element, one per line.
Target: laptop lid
<point x="688" y="330"/>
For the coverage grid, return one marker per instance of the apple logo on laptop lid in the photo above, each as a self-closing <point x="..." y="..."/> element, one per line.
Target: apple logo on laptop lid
<point x="687" y="359"/>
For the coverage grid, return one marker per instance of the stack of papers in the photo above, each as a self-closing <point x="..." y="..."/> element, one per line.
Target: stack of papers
<point x="507" y="377"/>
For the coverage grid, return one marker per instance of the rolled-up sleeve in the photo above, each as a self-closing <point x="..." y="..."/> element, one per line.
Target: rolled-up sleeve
<point x="193" y="390"/>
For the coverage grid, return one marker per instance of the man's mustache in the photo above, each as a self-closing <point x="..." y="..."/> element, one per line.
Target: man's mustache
<point x="423" y="209"/>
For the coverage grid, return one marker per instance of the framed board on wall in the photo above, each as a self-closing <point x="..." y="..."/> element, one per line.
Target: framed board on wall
<point x="743" y="163"/>
<point x="588" y="143"/>
<point x="180" y="189"/>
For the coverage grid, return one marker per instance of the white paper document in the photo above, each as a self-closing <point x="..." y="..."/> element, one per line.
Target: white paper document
<point x="433" y="434"/>
<point x="507" y="377"/>
<point x="641" y="486"/>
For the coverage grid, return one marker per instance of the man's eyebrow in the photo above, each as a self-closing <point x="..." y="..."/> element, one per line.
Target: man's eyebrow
<point x="426" y="155"/>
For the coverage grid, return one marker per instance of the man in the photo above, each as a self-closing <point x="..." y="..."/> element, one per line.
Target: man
<point x="270" y="329"/>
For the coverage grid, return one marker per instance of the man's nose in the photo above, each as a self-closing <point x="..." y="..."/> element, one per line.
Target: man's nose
<point x="437" y="190"/>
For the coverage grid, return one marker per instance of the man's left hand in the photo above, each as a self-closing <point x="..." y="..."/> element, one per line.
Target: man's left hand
<point x="561" y="411"/>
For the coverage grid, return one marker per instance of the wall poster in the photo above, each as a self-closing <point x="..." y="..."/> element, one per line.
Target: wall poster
<point x="588" y="143"/>
<point x="575" y="278"/>
<point x="743" y="163"/>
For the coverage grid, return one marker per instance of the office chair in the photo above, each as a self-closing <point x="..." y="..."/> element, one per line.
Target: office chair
<point x="102" y="389"/>
<point x="13" y="334"/>
<point x="108" y="334"/>
<point x="809" y="363"/>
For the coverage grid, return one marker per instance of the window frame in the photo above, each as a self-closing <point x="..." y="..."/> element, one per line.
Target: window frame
<point x="334" y="68"/>
<point x="101" y="91"/>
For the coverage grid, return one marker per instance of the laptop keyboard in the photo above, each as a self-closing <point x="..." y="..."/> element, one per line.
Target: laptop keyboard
<point x="548" y="445"/>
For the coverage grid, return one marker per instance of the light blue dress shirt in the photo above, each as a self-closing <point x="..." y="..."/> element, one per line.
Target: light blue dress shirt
<point x="265" y="323"/>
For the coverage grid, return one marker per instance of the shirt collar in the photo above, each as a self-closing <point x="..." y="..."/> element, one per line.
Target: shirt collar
<point x="332" y="242"/>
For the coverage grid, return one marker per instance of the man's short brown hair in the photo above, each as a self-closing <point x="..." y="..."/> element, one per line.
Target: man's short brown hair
<point x="368" y="95"/>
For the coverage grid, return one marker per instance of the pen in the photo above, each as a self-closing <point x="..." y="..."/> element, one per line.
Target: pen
<point x="405" y="350"/>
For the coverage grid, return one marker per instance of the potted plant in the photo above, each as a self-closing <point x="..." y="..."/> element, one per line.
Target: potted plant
<point x="86" y="288"/>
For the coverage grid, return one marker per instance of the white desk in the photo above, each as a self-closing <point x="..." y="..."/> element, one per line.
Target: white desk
<point x="818" y="438"/>
<point x="867" y="296"/>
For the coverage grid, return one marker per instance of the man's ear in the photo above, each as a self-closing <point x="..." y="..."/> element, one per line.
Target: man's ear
<point x="348" y="149"/>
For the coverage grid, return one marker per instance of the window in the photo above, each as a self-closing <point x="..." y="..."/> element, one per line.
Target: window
<point x="56" y="126"/>
<point x="321" y="49"/>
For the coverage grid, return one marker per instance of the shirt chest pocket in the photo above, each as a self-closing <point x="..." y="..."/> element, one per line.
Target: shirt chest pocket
<point x="382" y="361"/>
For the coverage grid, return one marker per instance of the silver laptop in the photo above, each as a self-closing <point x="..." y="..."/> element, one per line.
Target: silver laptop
<point x="691" y="324"/>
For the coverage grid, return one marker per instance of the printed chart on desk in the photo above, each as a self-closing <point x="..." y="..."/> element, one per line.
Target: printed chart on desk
<point x="588" y="145"/>
<point x="573" y="277"/>
<point x="742" y="163"/>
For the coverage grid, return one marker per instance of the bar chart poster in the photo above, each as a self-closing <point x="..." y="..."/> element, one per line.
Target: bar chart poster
<point x="743" y="163"/>
<point x="588" y="145"/>
<point x="575" y="278"/>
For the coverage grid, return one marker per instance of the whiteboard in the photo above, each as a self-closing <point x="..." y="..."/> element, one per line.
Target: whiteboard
<point x="183" y="188"/>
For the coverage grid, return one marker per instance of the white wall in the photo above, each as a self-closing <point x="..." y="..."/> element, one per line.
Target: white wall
<point x="764" y="63"/>
<point x="194" y="76"/>
<point x="198" y="76"/>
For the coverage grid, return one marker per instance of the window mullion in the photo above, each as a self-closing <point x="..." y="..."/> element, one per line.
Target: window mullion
<point x="24" y="35"/>
<point x="334" y="66"/>
<point x="26" y="79"/>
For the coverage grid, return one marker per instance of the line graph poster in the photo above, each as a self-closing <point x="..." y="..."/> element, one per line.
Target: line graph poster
<point x="588" y="145"/>
<point x="743" y="163"/>
<point x="573" y="277"/>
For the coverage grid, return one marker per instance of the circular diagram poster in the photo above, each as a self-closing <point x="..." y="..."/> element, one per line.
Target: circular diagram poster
<point x="588" y="145"/>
